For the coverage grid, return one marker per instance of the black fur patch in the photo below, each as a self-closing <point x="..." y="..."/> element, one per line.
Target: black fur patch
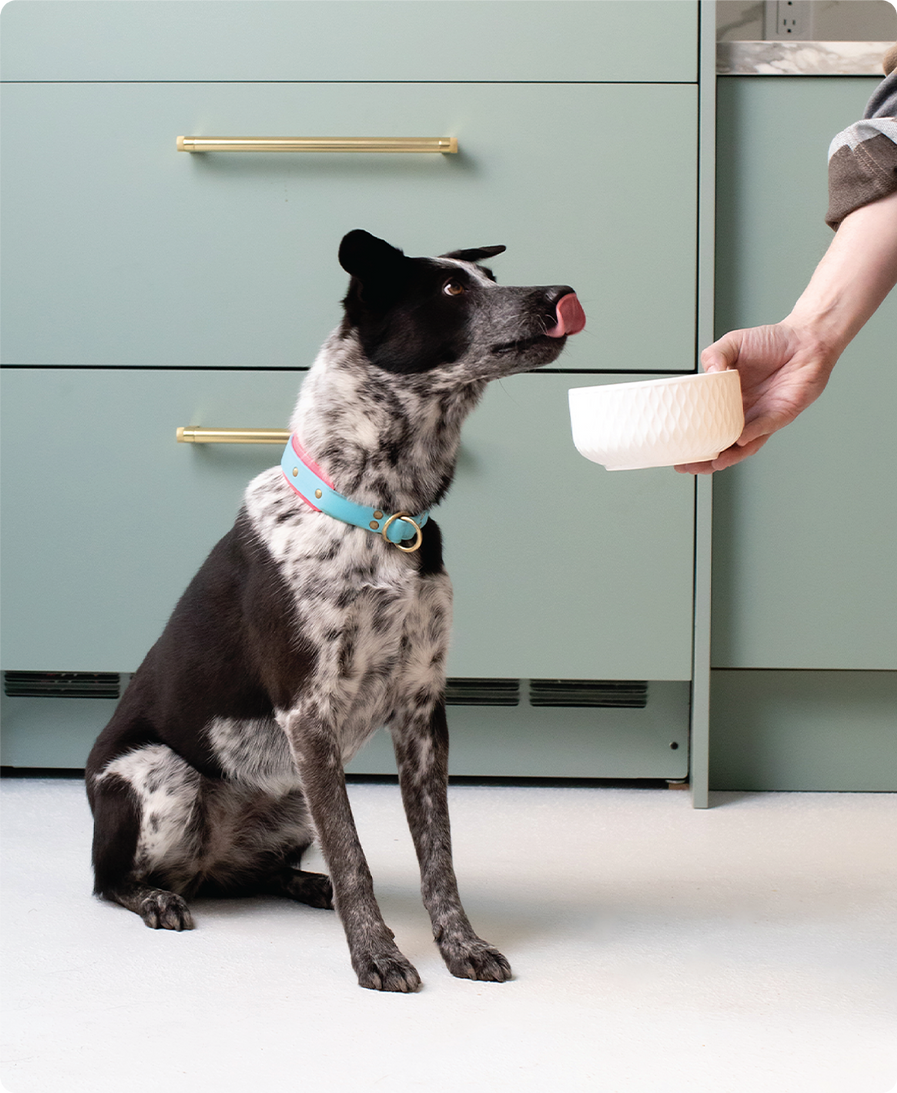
<point x="405" y="319"/>
<point x="116" y="827"/>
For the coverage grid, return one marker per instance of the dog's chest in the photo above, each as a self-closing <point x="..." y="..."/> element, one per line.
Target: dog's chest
<point x="378" y="628"/>
<point x="341" y="577"/>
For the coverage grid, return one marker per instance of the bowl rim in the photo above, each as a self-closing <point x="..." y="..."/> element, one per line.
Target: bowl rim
<point x="662" y="381"/>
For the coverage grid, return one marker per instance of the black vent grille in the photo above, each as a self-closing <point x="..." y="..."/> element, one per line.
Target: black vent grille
<point x="62" y="684"/>
<point x="615" y="693"/>
<point x="595" y="693"/>
<point x="482" y="692"/>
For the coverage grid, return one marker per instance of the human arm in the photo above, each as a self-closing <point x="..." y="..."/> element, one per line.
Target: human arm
<point x="784" y="367"/>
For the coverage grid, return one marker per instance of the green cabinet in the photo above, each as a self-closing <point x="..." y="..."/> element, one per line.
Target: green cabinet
<point x="146" y="288"/>
<point x="805" y="534"/>
<point x="569" y="571"/>
<point x="157" y="258"/>
<point x="804" y="620"/>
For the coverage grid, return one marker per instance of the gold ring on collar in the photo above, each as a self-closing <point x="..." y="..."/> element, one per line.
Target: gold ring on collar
<point x="418" y="539"/>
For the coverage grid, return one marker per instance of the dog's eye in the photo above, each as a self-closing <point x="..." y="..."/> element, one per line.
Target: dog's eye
<point x="453" y="288"/>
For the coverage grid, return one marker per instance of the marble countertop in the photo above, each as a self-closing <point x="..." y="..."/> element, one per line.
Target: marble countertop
<point x="800" y="58"/>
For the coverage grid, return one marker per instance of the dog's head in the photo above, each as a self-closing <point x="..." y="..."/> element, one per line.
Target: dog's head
<point x="419" y="315"/>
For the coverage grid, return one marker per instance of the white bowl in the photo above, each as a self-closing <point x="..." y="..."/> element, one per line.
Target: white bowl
<point x="658" y="423"/>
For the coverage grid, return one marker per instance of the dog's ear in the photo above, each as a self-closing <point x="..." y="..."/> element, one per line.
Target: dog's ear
<point x="475" y="254"/>
<point x="366" y="257"/>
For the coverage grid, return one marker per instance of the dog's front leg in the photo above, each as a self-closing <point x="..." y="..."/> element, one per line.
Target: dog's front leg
<point x="421" y="748"/>
<point x="375" y="957"/>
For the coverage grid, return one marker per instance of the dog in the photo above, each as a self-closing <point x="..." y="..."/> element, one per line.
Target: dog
<point x="309" y="626"/>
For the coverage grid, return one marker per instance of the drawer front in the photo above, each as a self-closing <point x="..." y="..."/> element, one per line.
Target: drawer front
<point x="323" y="40"/>
<point x="120" y="251"/>
<point x="570" y="572"/>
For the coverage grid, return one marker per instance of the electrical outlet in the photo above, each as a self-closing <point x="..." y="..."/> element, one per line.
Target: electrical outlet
<point x="788" y="19"/>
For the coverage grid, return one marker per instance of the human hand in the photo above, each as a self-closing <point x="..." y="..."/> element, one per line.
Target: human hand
<point x="783" y="368"/>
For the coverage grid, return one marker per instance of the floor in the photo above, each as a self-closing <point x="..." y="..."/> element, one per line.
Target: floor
<point x="747" y="948"/>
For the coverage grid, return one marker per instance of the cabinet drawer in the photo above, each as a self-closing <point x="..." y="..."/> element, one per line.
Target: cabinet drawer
<point x="120" y="251"/>
<point x="581" y="573"/>
<point x="323" y="40"/>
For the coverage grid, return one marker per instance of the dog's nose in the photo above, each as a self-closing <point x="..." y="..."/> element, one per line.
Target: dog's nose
<point x="569" y="315"/>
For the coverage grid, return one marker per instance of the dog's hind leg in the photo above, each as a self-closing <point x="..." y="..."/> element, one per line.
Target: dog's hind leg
<point x="377" y="961"/>
<point x="421" y="747"/>
<point x="115" y="840"/>
<point x="312" y="889"/>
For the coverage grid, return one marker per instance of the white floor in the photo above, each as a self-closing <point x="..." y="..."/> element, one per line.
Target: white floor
<point x="752" y="947"/>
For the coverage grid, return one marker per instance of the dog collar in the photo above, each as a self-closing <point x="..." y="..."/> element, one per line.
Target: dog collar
<point x="307" y="479"/>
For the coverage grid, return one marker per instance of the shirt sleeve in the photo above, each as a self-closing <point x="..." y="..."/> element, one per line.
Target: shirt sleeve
<point x="862" y="159"/>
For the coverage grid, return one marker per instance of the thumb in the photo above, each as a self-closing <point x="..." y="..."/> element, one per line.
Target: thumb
<point x="722" y="354"/>
<point x="713" y="361"/>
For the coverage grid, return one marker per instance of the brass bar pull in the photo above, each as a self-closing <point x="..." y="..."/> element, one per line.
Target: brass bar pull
<point x="195" y="434"/>
<point x="446" y="145"/>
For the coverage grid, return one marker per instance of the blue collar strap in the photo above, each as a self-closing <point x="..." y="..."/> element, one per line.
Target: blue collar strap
<point x="309" y="482"/>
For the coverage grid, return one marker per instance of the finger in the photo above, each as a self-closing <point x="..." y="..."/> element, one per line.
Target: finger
<point x="723" y="353"/>
<point x="713" y="362"/>
<point x="736" y="454"/>
<point x="694" y="468"/>
<point x="763" y="426"/>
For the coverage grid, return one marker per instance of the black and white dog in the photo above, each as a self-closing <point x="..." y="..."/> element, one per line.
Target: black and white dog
<point x="304" y="632"/>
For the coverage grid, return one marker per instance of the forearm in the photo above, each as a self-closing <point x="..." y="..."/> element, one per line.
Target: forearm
<point x="857" y="272"/>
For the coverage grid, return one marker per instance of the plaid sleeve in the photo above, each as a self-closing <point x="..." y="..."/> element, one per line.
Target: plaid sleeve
<point x="862" y="160"/>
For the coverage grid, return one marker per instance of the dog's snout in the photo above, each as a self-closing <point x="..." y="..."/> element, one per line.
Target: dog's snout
<point x="568" y="313"/>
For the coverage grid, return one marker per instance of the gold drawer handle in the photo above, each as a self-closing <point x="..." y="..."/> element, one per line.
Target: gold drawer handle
<point x="318" y="144"/>
<point x="194" y="434"/>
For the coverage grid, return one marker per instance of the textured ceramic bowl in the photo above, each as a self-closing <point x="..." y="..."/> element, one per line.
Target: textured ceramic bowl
<point x="658" y="423"/>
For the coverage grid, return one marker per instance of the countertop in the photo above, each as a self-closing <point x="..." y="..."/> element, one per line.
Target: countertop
<point x="800" y="58"/>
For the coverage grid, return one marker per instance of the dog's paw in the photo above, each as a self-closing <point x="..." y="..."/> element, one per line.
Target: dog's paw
<point x="473" y="958"/>
<point x="313" y="889"/>
<point x="386" y="970"/>
<point x="165" y="911"/>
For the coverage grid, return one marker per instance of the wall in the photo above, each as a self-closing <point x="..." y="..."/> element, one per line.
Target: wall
<point x="833" y="20"/>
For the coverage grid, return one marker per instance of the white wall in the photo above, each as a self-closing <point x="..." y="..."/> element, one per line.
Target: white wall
<point x="834" y="20"/>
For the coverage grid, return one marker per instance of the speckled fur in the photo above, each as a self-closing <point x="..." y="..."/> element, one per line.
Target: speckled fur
<point x="302" y="635"/>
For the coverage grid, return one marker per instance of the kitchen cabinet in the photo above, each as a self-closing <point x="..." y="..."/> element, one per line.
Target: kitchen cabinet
<point x="805" y="533"/>
<point x="602" y="590"/>
<point x="123" y="533"/>
<point x="147" y="288"/>
<point x="157" y="258"/>
<point x="806" y="536"/>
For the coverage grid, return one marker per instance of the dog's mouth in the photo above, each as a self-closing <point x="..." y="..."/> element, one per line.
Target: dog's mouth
<point x="520" y="346"/>
<point x="569" y="319"/>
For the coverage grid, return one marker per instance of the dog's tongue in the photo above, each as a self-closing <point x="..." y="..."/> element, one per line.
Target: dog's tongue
<point x="570" y="315"/>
